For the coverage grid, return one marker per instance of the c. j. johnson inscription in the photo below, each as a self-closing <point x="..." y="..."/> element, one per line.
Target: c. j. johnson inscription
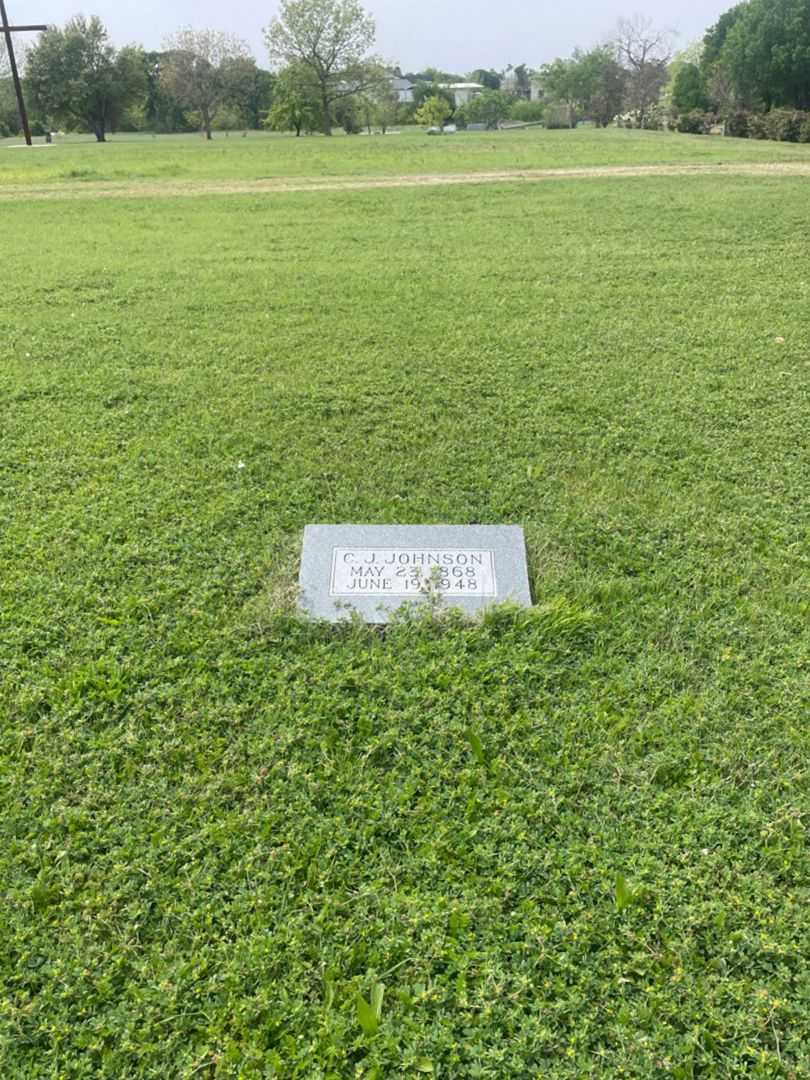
<point x="371" y="571"/>
<point x="409" y="572"/>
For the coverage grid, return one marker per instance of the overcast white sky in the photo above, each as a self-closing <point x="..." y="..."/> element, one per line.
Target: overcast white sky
<point x="456" y="35"/>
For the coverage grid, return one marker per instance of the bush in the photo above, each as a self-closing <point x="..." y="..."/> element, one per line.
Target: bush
<point x="527" y="112"/>
<point x="559" y="116"/>
<point x="737" y="124"/>
<point x="757" y="126"/>
<point x="783" y="125"/>
<point x="228" y="119"/>
<point x="695" y="122"/>
<point x="655" y="120"/>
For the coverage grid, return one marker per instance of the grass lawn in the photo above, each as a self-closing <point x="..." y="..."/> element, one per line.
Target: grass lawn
<point x="222" y="828"/>
<point x="261" y="156"/>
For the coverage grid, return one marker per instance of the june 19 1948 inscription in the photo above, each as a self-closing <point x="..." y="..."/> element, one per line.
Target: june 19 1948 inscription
<point x="410" y="571"/>
<point x="372" y="570"/>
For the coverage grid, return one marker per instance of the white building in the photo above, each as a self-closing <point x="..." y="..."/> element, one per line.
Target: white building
<point x="403" y="88"/>
<point x="463" y="92"/>
<point x="509" y="85"/>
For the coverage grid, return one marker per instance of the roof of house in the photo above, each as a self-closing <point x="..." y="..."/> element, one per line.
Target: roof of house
<point x="462" y="86"/>
<point x="401" y="84"/>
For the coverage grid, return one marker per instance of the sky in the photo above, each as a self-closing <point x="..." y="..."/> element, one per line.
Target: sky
<point x="454" y="35"/>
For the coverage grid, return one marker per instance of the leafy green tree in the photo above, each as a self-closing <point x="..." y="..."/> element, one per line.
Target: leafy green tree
<point x="248" y="90"/>
<point x="689" y="90"/>
<point x="489" y="107"/>
<point x="76" y="77"/>
<point x="333" y="39"/>
<point x="195" y="70"/>
<point x="487" y="78"/>
<point x="162" y="111"/>
<point x="295" y="101"/>
<point x="766" y="54"/>
<point x="591" y="85"/>
<point x="380" y="104"/>
<point x="423" y="90"/>
<point x="436" y="75"/>
<point x="599" y="83"/>
<point x="716" y="35"/>
<point x="433" y="112"/>
<point x="9" y="117"/>
<point x="559" y="79"/>
<point x="349" y="114"/>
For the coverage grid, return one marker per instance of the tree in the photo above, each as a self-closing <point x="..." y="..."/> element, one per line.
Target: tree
<point x="559" y="80"/>
<point x="295" y="96"/>
<point x="162" y="111"/>
<point x="75" y="76"/>
<point x="487" y="78"/>
<point x="9" y="116"/>
<point x="590" y="84"/>
<point x="423" y="90"/>
<point x="380" y="103"/>
<point x="765" y="54"/>
<point x="195" y="70"/>
<point x="599" y="84"/>
<point x="489" y="107"/>
<point x="433" y="112"/>
<point x="333" y="39"/>
<point x="689" y="90"/>
<point x="644" y="52"/>
<point x="716" y="35"/>
<point x="517" y="80"/>
<point x="247" y="89"/>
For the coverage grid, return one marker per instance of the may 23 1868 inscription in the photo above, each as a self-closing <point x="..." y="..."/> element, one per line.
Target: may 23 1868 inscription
<point x="374" y="569"/>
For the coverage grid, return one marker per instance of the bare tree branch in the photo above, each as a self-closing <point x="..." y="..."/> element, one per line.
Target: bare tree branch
<point x="644" y="51"/>
<point x="194" y="72"/>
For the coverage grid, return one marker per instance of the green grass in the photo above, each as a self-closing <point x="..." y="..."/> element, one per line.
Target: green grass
<point x="262" y="156"/>
<point x="569" y="842"/>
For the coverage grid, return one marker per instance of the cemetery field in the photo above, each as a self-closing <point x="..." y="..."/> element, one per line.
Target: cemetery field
<point x="136" y="163"/>
<point x="567" y="842"/>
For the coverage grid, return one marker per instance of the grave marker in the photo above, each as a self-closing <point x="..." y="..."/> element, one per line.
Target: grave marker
<point x="375" y="569"/>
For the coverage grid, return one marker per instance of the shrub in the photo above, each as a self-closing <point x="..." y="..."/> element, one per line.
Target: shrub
<point x="433" y="112"/>
<point x="695" y="122"/>
<point x="757" y="126"/>
<point x="227" y="119"/>
<point x="527" y="111"/>
<point x="737" y="124"/>
<point x="559" y="116"/>
<point x="783" y="125"/>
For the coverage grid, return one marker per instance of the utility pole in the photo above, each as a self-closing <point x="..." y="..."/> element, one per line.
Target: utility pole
<point x="12" y="59"/>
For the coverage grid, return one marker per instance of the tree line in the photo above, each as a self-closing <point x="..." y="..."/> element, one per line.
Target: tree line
<point x="754" y="60"/>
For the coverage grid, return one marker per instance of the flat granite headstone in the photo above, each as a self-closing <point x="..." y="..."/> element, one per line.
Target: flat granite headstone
<point x="375" y="569"/>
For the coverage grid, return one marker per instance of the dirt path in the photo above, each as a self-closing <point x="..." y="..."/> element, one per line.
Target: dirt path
<point x="283" y="185"/>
